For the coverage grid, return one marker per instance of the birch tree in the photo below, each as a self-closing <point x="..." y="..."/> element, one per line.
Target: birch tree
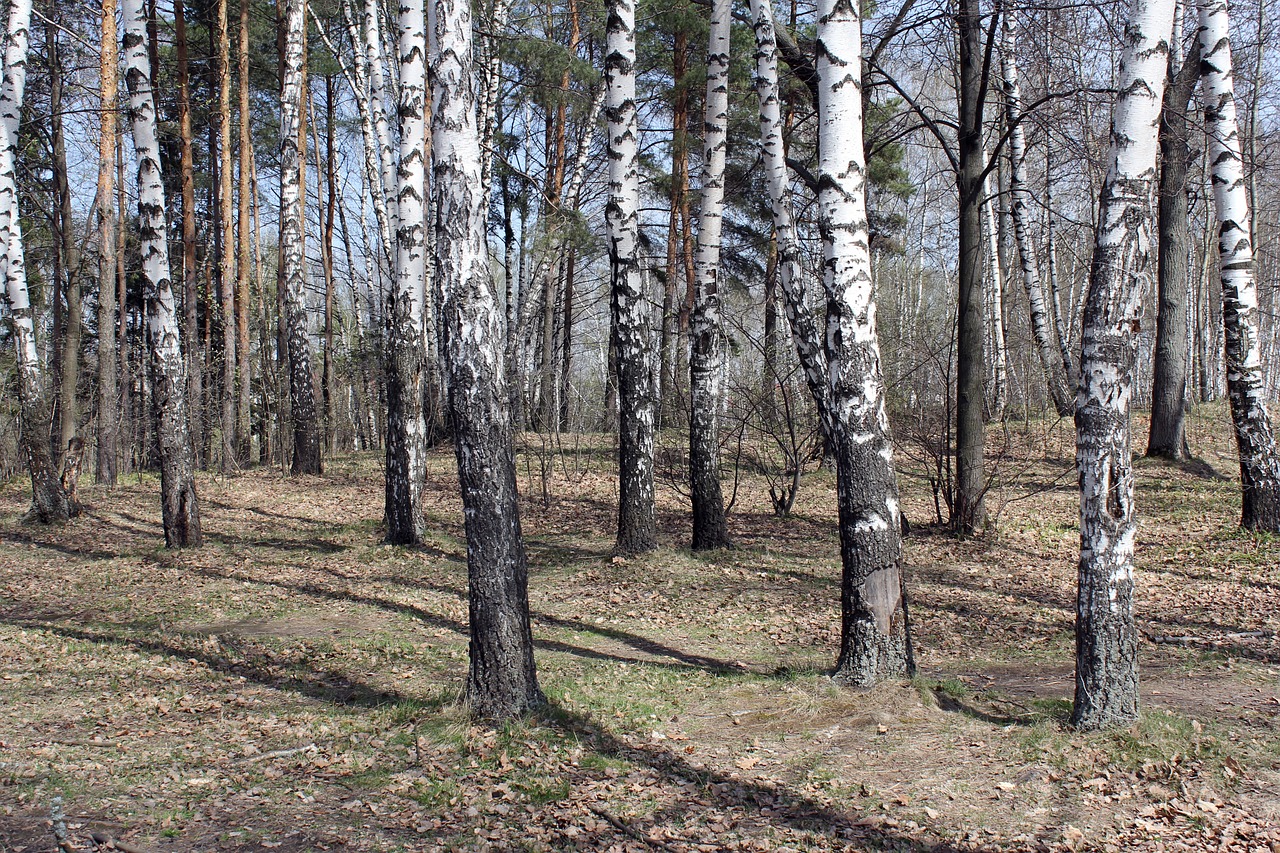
<point x="1123" y="263"/>
<point x="629" y="302"/>
<point x="873" y="638"/>
<point x="406" y="429"/>
<point x="48" y="500"/>
<point x="706" y="335"/>
<point x="1246" y="385"/>
<point x="995" y="305"/>
<point x="302" y="393"/>
<point x="180" y="506"/>
<point x="501" y="681"/>
<point x="1019" y="205"/>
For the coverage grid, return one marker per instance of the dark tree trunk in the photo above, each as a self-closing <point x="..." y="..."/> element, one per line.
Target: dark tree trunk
<point x="191" y="286"/>
<point x="968" y="513"/>
<point x="73" y="326"/>
<point x="1168" y="437"/>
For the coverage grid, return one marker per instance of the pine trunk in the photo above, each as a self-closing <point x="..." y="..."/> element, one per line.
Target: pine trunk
<point x="68" y="251"/>
<point x="108" y="392"/>
<point x="1246" y="387"/>
<point x="302" y="391"/>
<point x="1123" y="262"/>
<point x="629" y="298"/>
<point x="180" y="507"/>
<point x="190" y="282"/>
<point x="874" y="640"/>
<point x="406" y="428"/>
<point x="502" y="682"/>
<point x="244" y="257"/>
<point x="230" y="455"/>
<point x="706" y="336"/>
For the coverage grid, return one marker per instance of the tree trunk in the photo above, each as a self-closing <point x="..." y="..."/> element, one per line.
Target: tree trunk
<point x="108" y="393"/>
<point x="995" y="306"/>
<point x="406" y="428"/>
<point x="971" y="483"/>
<point x="230" y="456"/>
<point x="706" y="344"/>
<point x="502" y="681"/>
<point x="1020" y="201"/>
<point x="49" y="501"/>
<point x="566" y="351"/>
<point x="191" y="285"/>
<point x="244" y="258"/>
<point x="122" y="299"/>
<point x="1106" y="636"/>
<point x="629" y="299"/>
<point x="331" y="197"/>
<point x="302" y="391"/>
<point x="1259" y="459"/>
<point x="180" y="507"/>
<point x="68" y="251"/>
<point x="874" y="641"/>
<point x="1167" y="437"/>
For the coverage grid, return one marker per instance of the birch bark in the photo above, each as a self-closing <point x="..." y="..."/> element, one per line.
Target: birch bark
<point x="406" y="428"/>
<point x="49" y="501"/>
<point x="629" y="300"/>
<point x="302" y="392"/>
<point x="1123" y="261"/>
<point x="995" y="305"/>
<point x="1020" y="202"/>
<point x="502" y="681"/>
<point x="706" y="335"/>
<point x="180" y="506"/>
<point x="1246" y="382"/>
<point x="874" y="642"/>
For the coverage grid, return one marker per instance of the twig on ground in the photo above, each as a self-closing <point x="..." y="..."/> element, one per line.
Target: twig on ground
<point x="1170" y="639"/>
<point x="627" y="829"/>
<point x="107" y="842"/>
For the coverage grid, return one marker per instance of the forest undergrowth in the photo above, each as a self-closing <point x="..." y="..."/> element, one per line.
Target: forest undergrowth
<point x="294" y="684"/>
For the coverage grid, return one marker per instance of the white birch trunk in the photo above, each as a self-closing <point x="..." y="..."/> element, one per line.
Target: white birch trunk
<point x="1124" y="263"/>
<point x="378" y="104"/>
<point x="406" y="427"/>
<point x="168" y="368"/>
<point x="306" y="428"/>
<point x="501" y="682"/>
<point x="804" y="330"/>
<point x="874" y="642"/>
<point x="1246" y="385"/>
<point x="1019" y="204"/>
<point x="995" y="305"/>
<point x="630" y="304"/>
<point x="706" y="335"/>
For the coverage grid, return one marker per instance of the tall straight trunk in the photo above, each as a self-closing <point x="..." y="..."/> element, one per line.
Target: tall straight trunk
<point x="502" y="681"/>
<point x="995" y="305"/>
<point x="379" y="105"/>
<point x="672" y="316"/>
<point x="122" y="298"/>
<point x="1020" y="202"/>
<point x="69" y="252"/>
<point x="331" y="193"/>
<point x="190" y="275"/>
<point x="968" y="514"/>
<point x="1246" y="386"/>
<point x="706" y="335"/>
<point x="180" y="507"/>
<point x="1167" y="437"/>
<point x="230" y="447"/>
<point x="1123" y="262"/>
<point x="244" y="257"/>
<point x="108" y="393"/>
<point x="302" y="391"/>
<point x="49" y="502"/>
<point x="805" y="334"/>
<point x="1061" y="322"/>
<point x="406" y="428"/>
<point x="629" y="298"/>
<point x="566" y="351"/>
<point x="874" y="643"/>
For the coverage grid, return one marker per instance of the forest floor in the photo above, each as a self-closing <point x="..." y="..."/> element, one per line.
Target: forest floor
<point x="293" y="684"/>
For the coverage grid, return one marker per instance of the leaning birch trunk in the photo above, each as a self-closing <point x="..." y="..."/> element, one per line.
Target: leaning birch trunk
<point x="1123" y="263"/>
<point x="706" y="335"/>
<point x="804" y="330"/>
<point x="995" y="306"/>
<point x="1246" y="382"/>
<point x="180" y="507"/>
<point x="406" y="429"/>
<point x="629" y="300"/>
<point x="502" y="681"/>
<point x="1019" y="205"/>
<point x="48" y="500"/>
<point x="302" y="391"/>
<point x="874" y="643"/>
<point x="108" y="392"/>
